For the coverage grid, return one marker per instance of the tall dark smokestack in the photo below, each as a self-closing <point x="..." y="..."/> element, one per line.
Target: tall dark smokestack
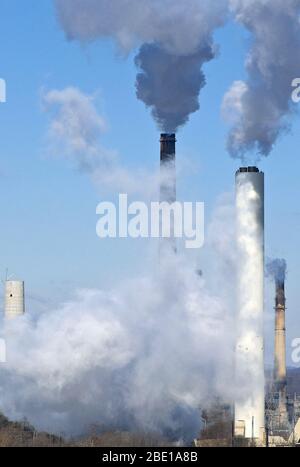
<point x="280" y="337"/>
<point x="168" y="185"/>
<point x="167" y="146"/>
<point x="168" y="167"/>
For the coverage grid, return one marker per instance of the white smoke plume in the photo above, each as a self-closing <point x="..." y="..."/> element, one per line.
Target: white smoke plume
<point x="176" y="39"/>
<point x="276" y="269"/>
<point x="262" y="106"/>
<point x="145" y="355"/>
<point x="76" y="128"/>
<point x="181" y="27"/>
<point x="75" y="132"/>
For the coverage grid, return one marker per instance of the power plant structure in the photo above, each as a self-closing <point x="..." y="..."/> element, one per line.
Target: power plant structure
<point x="168" y="167"/>
<point x="249" y="410"/>
<point x="14" y="299"/>
<point x="282" y="407"/>
<point x="168" y="186"/>
<point x="251" y="414"/>
<point x="260" y="417"/>
<point x="256" y="417"/>
<point x="280" y="374"/>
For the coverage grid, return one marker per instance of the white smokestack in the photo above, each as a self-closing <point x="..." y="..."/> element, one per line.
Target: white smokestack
<point x="249" y="408"/>
<point x="14" y="299"/>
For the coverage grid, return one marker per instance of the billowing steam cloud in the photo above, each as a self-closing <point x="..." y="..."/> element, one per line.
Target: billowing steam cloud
<point x="276" y="269"/>
<point x="262" y="106"/>
<point x="77" y="127"/>
<point x="180" y="26"/>
<point x="145" y="356"/>
<point x="112" y="357"/>
<point x="177" y="38"/>
<point x="75" y="132"/>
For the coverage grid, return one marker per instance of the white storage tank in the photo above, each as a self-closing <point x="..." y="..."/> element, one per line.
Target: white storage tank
<point x="14" y="299"/>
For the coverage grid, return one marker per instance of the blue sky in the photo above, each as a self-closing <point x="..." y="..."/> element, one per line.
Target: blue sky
<point x="48" y="219"/>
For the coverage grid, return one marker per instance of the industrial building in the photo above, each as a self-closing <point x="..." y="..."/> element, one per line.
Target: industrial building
<point x="261" y="415"/>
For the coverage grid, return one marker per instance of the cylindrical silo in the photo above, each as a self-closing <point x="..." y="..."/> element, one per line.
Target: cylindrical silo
<point x="14" y="299"/>
<point x="250" y="381"/>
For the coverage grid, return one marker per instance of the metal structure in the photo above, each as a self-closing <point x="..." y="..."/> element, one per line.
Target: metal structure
<point x="277" y="420"/>
<point x="250" y="399"/>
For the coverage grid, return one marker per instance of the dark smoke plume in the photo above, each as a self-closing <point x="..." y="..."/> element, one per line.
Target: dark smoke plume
<point x="276" y="269"/>
<point x="175" y="39"/>
<point x="170" y="84"/>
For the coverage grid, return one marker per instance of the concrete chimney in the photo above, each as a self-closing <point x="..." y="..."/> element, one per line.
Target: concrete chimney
<point x="14" y="299"/>
<point x="250" y="380"/>
<point x="280" y="338"/>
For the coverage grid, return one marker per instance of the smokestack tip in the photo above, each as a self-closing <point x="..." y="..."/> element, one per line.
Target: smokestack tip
<point x="247" y="170"/>
<point x="251" y="169"/>
<point x="168" y="137"/>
